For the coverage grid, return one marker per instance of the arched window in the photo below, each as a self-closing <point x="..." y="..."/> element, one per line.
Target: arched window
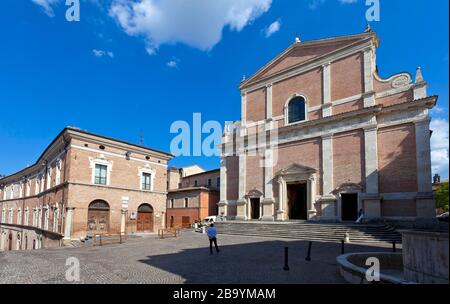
<point x="296" y="110"/>
<point x="99" y="205"/>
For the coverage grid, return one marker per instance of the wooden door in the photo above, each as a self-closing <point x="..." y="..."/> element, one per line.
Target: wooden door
<point x="98" y="221"/>
<point x="185" y="221"/>
<point x="144" y="221"/>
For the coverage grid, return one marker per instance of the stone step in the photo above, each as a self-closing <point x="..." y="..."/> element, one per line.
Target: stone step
<point x="312" y="231"/>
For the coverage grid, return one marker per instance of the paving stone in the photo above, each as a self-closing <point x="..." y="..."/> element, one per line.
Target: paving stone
<point x="186" y="259"/>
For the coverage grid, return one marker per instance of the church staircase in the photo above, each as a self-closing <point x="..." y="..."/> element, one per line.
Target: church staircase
<point x="308" y="231"/>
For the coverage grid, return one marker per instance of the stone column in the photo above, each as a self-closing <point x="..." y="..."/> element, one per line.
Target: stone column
<point x="311" y="195"/>
<point x="223" y="203"/>
<point x="68" y="223"/>
<point x="242" y="202"/>
<point x="326" y="81"/>
<point x="122" y="221"/>
<point x="425" y="202"/>
<point x="281" y="216"/>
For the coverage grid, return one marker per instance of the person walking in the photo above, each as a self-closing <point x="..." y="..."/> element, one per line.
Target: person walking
<point x="212" y="235"/>
<point x="360" y="216"/>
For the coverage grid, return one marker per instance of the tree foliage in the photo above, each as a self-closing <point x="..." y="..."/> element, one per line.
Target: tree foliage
<point x="442" y="197"/>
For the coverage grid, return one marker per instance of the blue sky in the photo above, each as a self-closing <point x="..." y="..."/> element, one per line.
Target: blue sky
<point x="118" y="70"/>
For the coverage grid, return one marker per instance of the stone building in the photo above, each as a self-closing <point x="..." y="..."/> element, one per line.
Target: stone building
<point x="83" y="184"/>
<point x="193" y="196"/>
<point x="323" y="135"/>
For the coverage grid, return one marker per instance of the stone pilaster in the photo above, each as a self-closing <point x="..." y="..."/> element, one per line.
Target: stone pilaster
<point x="369" y="95"/>
<point x="326" y="84"/>
<point x="268" y="201"/>
<point x="269" y="101"/>
<point x="425" y="202"/>
<point x="327" y="164"/>
<point x="68" y="223"/>
<point x="282" y="197"/>
<point x="223" y="203"/>
<point x="371" y="199"/>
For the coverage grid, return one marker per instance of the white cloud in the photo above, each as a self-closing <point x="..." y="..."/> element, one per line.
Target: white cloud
<point x="440" y="147"/>
<point x="47" y="6"/>
<point x="196" y="23"/>
<point x="273" y="28"/>
<point x="314" y="4"/>
<point x="172" y="64"/>
<point x="102" y="53"/>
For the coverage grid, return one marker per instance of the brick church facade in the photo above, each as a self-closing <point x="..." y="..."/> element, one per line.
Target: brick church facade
<point x="83" y="184"/>
<point x="322" y="135"/>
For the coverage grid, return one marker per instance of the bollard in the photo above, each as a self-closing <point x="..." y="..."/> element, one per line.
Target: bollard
<point x="308" y="256"/>
<point x="286" y="259"/>
<point x="342" y="247"/>
<point x="203" y="229"/>
<point x="393" y="247"/>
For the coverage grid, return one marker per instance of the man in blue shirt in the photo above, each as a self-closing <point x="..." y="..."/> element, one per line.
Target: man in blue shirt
<point x="212" y="235"/>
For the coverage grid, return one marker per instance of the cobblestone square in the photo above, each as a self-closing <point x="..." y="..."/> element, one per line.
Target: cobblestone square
<point x="185" y="259"/>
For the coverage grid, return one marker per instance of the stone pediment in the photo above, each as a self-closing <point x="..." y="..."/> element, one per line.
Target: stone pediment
<point x="300" y="53"/>
<point x="296" y="169"/>
<point x="348" y="187"/>
<point x="255" y="193"/>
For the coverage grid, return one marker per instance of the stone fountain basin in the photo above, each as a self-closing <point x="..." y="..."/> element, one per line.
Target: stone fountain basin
<point x="352" y="267"/>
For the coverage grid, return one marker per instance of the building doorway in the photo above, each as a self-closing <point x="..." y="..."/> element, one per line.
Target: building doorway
<point x="98" y="217"/>
<point x="349" y="205"/>
<point x="255" y="207"/>
<point x="185" y="222"/>
<point x="145" y="218"/>
<point x="10" y="241"/>
<point x="297" y="201"/>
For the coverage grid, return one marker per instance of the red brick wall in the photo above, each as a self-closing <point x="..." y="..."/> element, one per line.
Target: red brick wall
<point x="347" y="77"/>
<point x="232" y="177"/>
<point x="306" y="153"/>
<point x="398" y="208"/>
<point x="395" y="99"/>
<point x="256" y="105"/>
<point x="397" y="159"/>
<point x="254" y="173"/>
<point x="348" y="106"/>
<point x="177" y="214"/>
<point x="298" y="55"/>
<point x="308" y="84"/>
<point x="348" y="158"/>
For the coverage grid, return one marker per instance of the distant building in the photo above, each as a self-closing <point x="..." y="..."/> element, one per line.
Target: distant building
<point x="83" y="184"/>
<point x="191" y="197"/>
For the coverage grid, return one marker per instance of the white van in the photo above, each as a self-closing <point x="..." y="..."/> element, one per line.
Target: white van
<point x="210" y="220"/>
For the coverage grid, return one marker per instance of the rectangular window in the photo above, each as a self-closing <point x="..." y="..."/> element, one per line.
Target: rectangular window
<point x="100" y="174"/>
<point x="10" y="216"/>
<point x="186" y="202"/>
<point x="26" y="215"/>
<point x="218" y="182"/>
<point x="3" y="215"/>
<point x="195" y="183"/>
<point x="146" y="181"/>
<point x="19" y="216"/>
<point x="209" y="182"/>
